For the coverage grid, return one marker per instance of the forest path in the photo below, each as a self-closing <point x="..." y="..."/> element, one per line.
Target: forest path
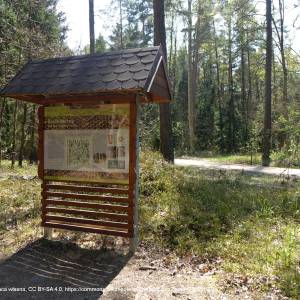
<point x="205" y="163"/>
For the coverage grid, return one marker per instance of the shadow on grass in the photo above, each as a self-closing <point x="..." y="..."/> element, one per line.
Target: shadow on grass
<point x="65" y="268"/>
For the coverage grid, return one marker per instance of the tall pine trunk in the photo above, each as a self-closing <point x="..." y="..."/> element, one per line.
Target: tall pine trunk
<point x="166" y="138"/>
<point x="92" y="26"/>
<point x="231" y="133"/>
<point x="250" y="93"/>
<point x="32" y="156"/>
<point x="244" y="97"/>
<point x="195" y="70"/>
<point x="219" y="97"/>
<point x="1" y="125"/>
<point x="13" y="148"/>
<point x="268" y="88"/>
<point x="22" y="140"/>
<point x="191" y="104"/>
<point x="283" y="59"/>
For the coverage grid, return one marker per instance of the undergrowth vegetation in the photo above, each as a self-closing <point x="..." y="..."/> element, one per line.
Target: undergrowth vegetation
<point x="250" y="222"/>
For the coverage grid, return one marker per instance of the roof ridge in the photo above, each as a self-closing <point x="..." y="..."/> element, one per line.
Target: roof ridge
<point x="78" y="57"/>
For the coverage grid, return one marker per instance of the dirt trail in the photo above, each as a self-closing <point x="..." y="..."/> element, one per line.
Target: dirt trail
<point x="139" y="281"/>
<point x="64" y="267"/>
<point x="208" y="164"/>
<point x="115" y="275"/>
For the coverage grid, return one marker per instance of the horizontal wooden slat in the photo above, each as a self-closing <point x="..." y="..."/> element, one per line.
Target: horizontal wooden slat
<point x="85" y="197"/>
<point x="79" y="188"/>
<point x="85" y="182"/>
<point x="87" y="205"/>
<point x="82" y="228"/>
<point x="87" y="213"/>
<point x="86" y="221"/>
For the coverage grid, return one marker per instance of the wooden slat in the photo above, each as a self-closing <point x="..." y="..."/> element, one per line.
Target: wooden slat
<point x="86" y="221"/>
<point x="80" y="188"/>
<point x="85" y="182"/>
<point x="85" y="197"/>
<point x="88" y="213"/>
<point x="87" y="205"/>
<point x="88" y="229"/>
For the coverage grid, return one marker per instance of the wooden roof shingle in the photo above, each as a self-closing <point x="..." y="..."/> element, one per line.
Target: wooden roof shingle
<point x="125" y="71"/>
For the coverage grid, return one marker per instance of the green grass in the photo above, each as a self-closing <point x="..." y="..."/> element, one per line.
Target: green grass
<point x="26" y="170"/>
<point x="237" y="159"/>
<point x="250" y="222"/>
<point x="19" y="208"/>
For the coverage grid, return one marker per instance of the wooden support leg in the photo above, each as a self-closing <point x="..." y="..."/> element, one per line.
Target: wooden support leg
<point x="133" y="242"/>
<point x="48" y="233"/>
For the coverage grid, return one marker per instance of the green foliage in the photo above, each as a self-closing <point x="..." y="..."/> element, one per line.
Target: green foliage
<point x="135" y="25"/>
<point x="100" y="46"/>
<point x="28" y="30"/>
<point x="288" y="127"/>
<point x="250" y="222"/>
<point x="19" y="202"/>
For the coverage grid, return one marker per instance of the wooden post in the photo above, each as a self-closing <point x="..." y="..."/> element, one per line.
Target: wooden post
<point x="48" y="232"/>
<point x="134" y="170"/>
<point x="41" y="142"/>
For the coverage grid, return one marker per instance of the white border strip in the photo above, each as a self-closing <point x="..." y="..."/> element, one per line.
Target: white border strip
<point x="153" y="77"/>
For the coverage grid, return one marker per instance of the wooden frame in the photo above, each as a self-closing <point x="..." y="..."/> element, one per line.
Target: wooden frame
<point x="102" y="208"/>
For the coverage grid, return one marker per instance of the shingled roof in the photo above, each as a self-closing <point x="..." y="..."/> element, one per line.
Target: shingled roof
<point x="139" y="70"/>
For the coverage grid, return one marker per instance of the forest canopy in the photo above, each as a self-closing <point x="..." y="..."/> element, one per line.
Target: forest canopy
<point x="216" y="55"/>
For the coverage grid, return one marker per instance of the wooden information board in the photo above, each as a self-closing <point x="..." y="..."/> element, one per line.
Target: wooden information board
<point x="88" y="167"/>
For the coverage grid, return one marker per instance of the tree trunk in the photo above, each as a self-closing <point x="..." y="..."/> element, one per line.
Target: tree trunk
<point x="13" y="148"/>
<point x="191" y="110"/>
<point x="284" y="138"/>
<point x="244" y="98"/>
<point x="268" y="88"/>
<point x="232" y="144"/>
<point x="22" y="141"/>
<point x="174" y="68"/>
<point x="1" y="125"/>
<point x="283" y="60"/>
<point x="32" y="156"/>
<point x="170" y="61"/>
<point x="166" y="138"/>
<point x="249" y="96"/>
<point x="195" y="70"/>
<point x="92" y="26"/>
<point x="121" y="25"/>
<point x="221" y="123"/>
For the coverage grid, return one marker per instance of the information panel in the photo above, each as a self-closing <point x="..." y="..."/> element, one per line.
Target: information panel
<point x="87" y="144"/>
